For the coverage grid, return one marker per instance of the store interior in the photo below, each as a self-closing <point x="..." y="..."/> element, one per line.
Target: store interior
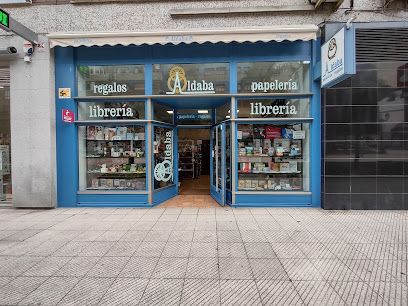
<point x="194" y="161"/>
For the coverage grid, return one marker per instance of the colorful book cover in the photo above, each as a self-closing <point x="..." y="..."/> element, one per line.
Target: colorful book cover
<point x="90" y="132"/>
<point x="121" y="132"/>
<point x="99" y="133"/>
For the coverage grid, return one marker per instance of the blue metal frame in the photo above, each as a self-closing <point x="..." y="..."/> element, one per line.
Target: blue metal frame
<point x="220" y="194"/>
<point x="67" y="59"/>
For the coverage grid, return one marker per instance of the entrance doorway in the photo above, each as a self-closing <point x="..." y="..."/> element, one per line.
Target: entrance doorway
<point x="194" y="161"/>
<point x="194" y="154"/>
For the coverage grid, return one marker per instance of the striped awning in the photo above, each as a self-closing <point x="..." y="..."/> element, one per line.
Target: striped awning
<point x="226" y="35"/>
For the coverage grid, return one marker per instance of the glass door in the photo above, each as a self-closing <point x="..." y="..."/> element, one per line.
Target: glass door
<point x="218" y="163"/>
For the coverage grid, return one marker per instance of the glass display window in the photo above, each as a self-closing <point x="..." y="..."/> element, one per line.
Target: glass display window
<point x="163" y="112"/>
<point x="113" y="80"/>
<point x="273" y="157"/>
<point x="190" y="79"/>
<point x="274" y="77"/>
<point x="163" y="157"/>
<point x="112" y="157"/>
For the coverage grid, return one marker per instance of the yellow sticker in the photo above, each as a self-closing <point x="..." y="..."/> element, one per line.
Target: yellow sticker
<point x="64" y="93"/>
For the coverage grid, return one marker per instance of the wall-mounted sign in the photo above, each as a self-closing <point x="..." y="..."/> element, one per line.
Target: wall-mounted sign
<point x="190" y="79"/>
<point x="338" y="57"/>
<point x="258" y="108"/>
<point x="112" y="80"/>
<point x="193" y="117"/>
<point x="110" y="110"/>
<point x="68" y="116"/>
<point x="273" y="77"/>
<point x="163" y="171"/>
<point x="64" y="93"/>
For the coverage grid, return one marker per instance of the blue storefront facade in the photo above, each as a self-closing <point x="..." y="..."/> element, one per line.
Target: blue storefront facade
<point x="263" y="100"/>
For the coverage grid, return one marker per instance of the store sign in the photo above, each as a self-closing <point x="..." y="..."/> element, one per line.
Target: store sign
<point x="258" y="108"/>
<point x="275" y="85"/>
<point x="68" y="116"/>
<point x="106" y="89"/>
<point x="182" y="117"/>
<point x="179" y="84"/>
<point x="95" y="111"/>
<point x="338" y="57"/>
<point x="163" y="171"/>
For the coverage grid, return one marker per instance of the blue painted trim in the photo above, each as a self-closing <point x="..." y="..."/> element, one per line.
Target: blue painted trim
<point x="272" y="200"/>
<point x="159" y="196"/>
<point x="66" y="133"/>
<point x="113" y="199"/>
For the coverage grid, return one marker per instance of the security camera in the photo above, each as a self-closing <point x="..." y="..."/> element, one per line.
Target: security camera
<point x="8" y="50"/>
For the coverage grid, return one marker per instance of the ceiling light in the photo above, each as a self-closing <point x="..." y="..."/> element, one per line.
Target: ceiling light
<point x="170" y="112"/>
<point x="202" y="111"/>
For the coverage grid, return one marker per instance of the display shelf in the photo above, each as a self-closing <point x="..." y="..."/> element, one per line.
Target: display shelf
<point x="269" y="158"/>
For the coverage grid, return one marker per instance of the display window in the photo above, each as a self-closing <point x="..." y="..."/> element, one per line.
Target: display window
<point x="163" y="113"/>
<point x="112" y="157"/>
<point x="122" y="80"/>
<point x="163" y="157"/>
<point x="274" y="77"/>
<point x="273" y="157"/>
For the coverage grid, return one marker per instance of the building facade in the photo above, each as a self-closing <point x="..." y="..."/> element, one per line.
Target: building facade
<point x="277" y="139"/>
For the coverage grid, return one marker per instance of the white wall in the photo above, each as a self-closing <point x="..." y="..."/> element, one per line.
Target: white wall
<point x="32" y="129"/>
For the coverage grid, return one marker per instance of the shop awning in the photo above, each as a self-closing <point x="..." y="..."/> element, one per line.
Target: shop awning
<point x="226" y="35"/>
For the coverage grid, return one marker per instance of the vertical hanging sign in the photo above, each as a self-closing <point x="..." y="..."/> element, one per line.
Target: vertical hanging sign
<point x="338" y="57"/>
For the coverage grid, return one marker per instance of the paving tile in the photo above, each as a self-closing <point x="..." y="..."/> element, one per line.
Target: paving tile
<point x="150" y="248"/>
<point x="4" y="280"/>
<point x="229" y="236"/>
<point x="205" y="236"/>
<point x="277" y="236"/>
<point x="203" y="249"/>
<point x="202" y="268"/>
<point x="162" y="292"/>
<point x="235" y="268"/>
<point x="108" y="267"/>
<point x="231" y="250"/>
<point x="239" y="292"/>
<point x="253" y="236"/>
<point x="96" y="248"/>
<point x="392" y="293"/>
<point x="226" y="225"/>
<point x="201" y="292"/>
<point x="51" y="291"/>
<point x="334" y="269"/>
<point x="300" y="269"/>
<point x="259" y="250"/>
<point x="287" y="250"/>
<point x="181" y="236"/>
<point x="275" y="292"/>
<point x="15" y="266"/>
<point x="139" y="267"/>
<point x="123" y="248"/>
<point x="47" y="266"/>
<point x="162" y="235"/>
<point x="88" y="235"/>
<point x="77" y="266"/>
<point x="317" y="293"/>
<point x="72" y="248"/>
<point x="177" y="249"/>
<point x="134" y="236"/>
<point x="357" y="293"/>
<point x="88" y="291"/>
<point x="125" y="291"/>
<point x="111" y="235"/>
<point x="19" y="288"/>
<point x="268" y="269"/>
<point x="171" y="267"/>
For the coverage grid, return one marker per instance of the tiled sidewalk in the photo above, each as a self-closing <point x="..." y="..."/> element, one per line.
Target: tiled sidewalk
<point x="213" y="256"/>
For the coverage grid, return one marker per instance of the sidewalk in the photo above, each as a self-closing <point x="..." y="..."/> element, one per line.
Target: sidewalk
<point x="213" y="256"/>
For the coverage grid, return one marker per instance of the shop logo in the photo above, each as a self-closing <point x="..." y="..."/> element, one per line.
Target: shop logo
<point x="259" y="109"/>
<point x="164" y="171"/>
<point x="274" y="86"/>
<point x="106" y="89"/>
<point x="178" y="84"/>
<point x="332" y="49"/>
